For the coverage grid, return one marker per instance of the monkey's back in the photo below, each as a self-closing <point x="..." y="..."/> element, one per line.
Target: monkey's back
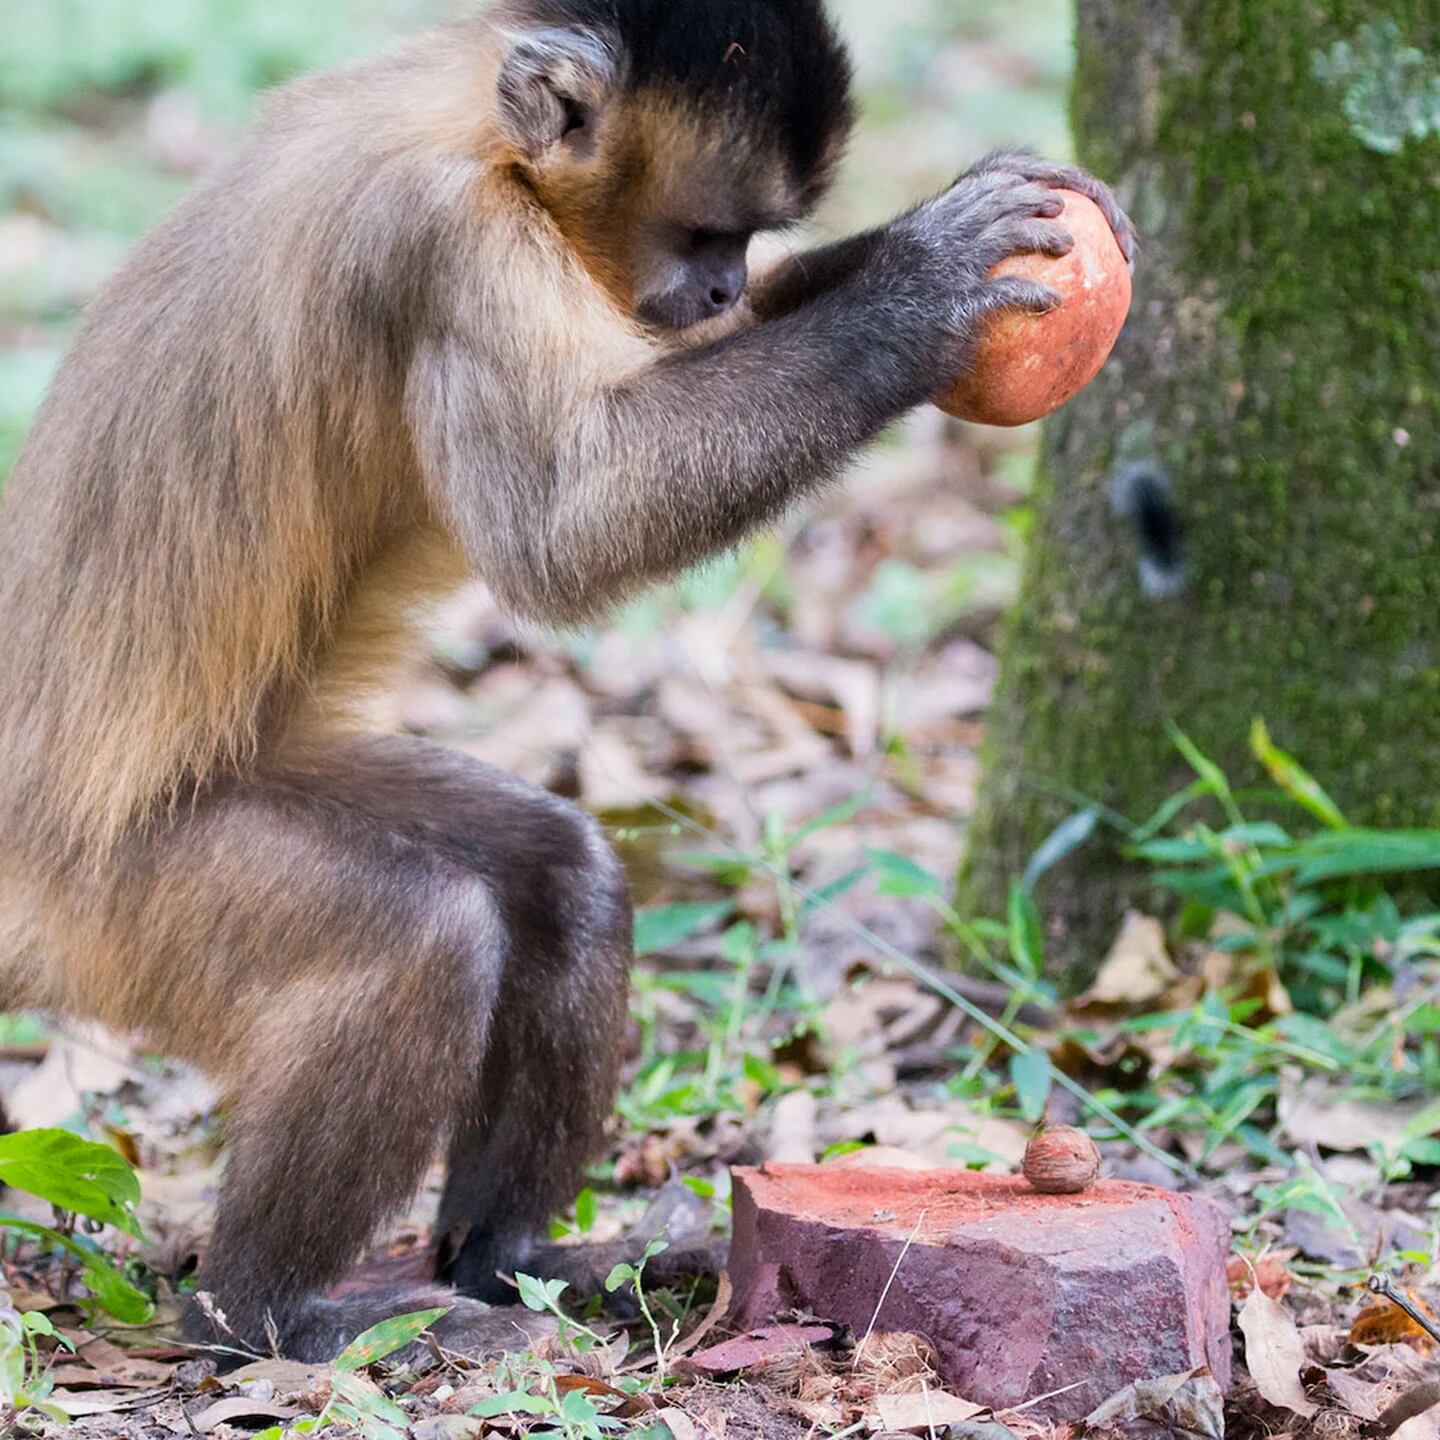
<point x="218" y="460"/>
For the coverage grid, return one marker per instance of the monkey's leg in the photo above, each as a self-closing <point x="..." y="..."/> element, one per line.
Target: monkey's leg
<point x="538" y="1112"/>
<point x="314" y="942"/>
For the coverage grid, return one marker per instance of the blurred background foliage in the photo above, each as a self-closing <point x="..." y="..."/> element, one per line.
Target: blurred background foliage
<point x="110" y="108"/>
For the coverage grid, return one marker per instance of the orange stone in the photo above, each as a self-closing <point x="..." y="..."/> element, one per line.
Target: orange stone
<point x="1030" y="365"/>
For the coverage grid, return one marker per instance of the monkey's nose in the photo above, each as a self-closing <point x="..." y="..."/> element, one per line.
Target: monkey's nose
<point x="721" y="298"/>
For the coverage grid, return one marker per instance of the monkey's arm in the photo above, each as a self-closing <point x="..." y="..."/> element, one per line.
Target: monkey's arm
<point x="806" y="275"/>
<point x="567" y="498"/>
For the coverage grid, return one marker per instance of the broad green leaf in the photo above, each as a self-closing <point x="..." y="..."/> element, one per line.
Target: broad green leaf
<point x="1211" y="775"/>
<point x="1293" y="778"/>
<point x="900" y="875"/>
<point x="1027" y="939"/>
<point x="1064" y="840"/>
<point x="1030" y="1074"/>
<point x="1423" y="1020"/>
<point x="661" y="926"/>
<point x="75" y="1174"/>
<point x="386" y="1338"/>
<point x="112" y="1291"/>
<point x="587" y="1210"/>
<point x="829" y="894"/>
<point x="1341" y="853"/>
<point x="539" y="1295"/>
<point x="763" y="1073"/>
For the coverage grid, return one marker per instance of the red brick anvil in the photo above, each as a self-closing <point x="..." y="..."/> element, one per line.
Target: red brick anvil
<point x="1021" y="1294"/>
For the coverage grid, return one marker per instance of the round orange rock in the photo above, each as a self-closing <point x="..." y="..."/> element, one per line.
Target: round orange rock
<point x="1029" y="365"/>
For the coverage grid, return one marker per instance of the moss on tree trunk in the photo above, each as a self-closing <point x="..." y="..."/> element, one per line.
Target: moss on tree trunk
<point x="1282" y="364"/>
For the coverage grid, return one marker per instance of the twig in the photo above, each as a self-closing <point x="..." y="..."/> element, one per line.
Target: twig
<point x="885" y="1293"/>
<point x="1384" y="1286"/>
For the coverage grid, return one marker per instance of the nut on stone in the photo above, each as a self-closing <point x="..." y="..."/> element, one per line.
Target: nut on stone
<point x="1061" y="1160"/>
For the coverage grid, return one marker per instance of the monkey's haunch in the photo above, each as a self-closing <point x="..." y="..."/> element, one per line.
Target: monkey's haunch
<point x="1029" y="365"/>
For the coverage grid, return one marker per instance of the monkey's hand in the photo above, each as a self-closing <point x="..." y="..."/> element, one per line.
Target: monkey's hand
<point x="1006" y="205"/>
<point x="942" y="253"/>
<point x="1029" y="166"/>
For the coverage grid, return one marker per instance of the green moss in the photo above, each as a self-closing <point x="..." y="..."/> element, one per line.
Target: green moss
<point x="1281" y="362"/>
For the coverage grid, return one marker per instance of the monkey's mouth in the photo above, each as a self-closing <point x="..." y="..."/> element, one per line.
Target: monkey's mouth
<point x="677" y="310"/>
<point x="704" y="331"/>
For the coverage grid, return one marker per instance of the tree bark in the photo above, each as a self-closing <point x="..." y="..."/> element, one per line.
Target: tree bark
<point x="1282" y="368"/>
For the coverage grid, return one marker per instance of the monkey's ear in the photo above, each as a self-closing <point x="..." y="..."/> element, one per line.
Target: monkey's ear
<point x="552" y="85"/>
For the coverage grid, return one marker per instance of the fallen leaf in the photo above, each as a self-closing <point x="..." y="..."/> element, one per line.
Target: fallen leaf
<point x="922" y="1412"/>
<point x="792" y="1130"/>
<point x="629" y="1407"/>
<point x="1137" y="970"/>
<point x="756" y="1348"/>
<point x="724" y="1291"/>
<point x="1425" y="1426"/>
<point x="103" y="1402"/>
<point x="680" y="1425"/>
<point x="1413" y="1415"/>
<point x="1185" y="1404"/>
<point x="1382" y="1322"/>
<point x="448" y="1427"/>
<point x="89" y="1061"/>
<point x="1271" y="1272"/>
<point x="289" y="1377"/>
<point x="1358" y="1397"/>
<point x="1330" y="1116"/>
<point x="1274" y="1353"/>
<point x="239" y="1407"/>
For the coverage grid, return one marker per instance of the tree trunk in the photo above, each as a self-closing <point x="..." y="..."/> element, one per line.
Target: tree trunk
<point x="1282" y="368"/>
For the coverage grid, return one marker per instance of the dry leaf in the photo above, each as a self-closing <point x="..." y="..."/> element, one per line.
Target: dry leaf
<point x="1137" y="970"/>
<point x="1185" y="1404"/>
<point x="1413" y="1415"/>
<point x="757" y="1348"/>
<point x="680" y="1425"/>
<point x="792" y="1138"/>
<point x="1314" y="1113"/>
<point x="1382" y="1322"/>
<point x="236" y="1408"/>
<point x="103" y="1402"/>
<point x="447" y="1427"/>
<point x="1271" y="1272"/>
<point x="1274" y="1353"/>
<point x="89" y="1061"/>
<point x="1358" y="1397"/>
<point x="921" y="1412"/>
<point x="100" y="1364"/>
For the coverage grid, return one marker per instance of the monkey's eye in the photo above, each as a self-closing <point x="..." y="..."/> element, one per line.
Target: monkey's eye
<point x="576" y="116"/>
<point x="702" y="240"/>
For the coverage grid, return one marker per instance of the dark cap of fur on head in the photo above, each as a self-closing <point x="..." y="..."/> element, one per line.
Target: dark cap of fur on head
<point x="777" y="66"/>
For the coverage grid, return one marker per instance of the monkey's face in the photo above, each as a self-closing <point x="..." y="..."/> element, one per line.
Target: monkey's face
<point x="662" y="202"/>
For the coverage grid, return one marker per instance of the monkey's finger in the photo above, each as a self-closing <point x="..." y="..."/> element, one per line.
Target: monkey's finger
<point x="1069" y="177"/>
<point x="1006" y="292"/>
<point x="1041" y="237"/>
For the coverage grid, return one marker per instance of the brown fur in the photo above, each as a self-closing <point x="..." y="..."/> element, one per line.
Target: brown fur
<point x="393" y="343"/>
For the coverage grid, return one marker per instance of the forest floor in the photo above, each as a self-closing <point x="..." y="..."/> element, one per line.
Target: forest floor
<point x="784" y="753"/>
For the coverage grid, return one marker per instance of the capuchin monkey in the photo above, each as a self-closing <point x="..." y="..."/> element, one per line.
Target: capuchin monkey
<point x="476" y="308"/>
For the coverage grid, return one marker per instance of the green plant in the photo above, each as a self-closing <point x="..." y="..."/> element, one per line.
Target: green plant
<point x="25" y="1378"/>
<point x="543" y="1297"/>
<point x="79" y="1178"/>
<point x="634" y="1275"/>
<point x="357" y="1404"/>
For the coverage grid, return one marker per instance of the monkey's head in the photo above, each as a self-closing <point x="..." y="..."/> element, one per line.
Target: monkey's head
<point x="663" y="135"/>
